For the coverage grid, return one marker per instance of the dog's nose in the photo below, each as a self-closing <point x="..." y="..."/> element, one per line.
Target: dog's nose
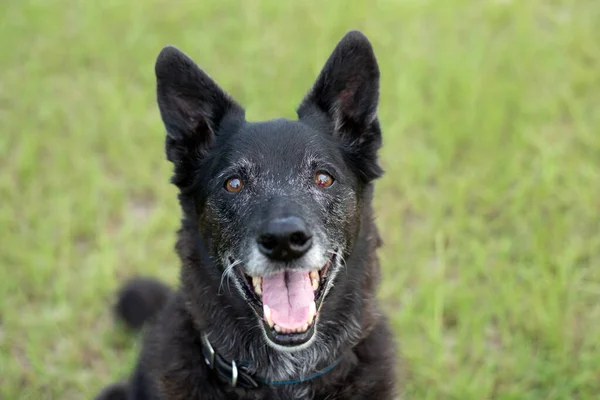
<point x="284" y="239"/>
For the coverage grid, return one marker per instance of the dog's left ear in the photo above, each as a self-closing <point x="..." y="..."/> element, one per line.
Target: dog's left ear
<point x="347" y="93"/>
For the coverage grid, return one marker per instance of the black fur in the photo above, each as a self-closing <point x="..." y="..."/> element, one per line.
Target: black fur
<point x="140" y="300"/>
<point x="116" y="391"/>
<point x="209" y="141"/>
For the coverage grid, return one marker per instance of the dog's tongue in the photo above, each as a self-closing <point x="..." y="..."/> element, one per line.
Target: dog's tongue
<point x="289" y="295"/>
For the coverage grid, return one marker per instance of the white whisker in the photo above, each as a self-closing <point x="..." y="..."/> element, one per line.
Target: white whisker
<point x="227" y="272"/>
<point x="338" y="254"/>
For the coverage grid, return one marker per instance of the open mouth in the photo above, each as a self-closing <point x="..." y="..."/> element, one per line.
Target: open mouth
<point x="288" y="301"/>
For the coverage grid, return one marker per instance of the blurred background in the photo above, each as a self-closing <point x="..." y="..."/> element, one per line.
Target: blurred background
<point x="489" y="207"/>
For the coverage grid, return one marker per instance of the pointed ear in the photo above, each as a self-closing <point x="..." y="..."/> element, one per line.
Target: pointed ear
<point x="193" y="109"/>
<point x="347" y="94"/>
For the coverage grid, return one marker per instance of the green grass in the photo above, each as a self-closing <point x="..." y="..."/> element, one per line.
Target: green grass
<point x="489" y="208"/>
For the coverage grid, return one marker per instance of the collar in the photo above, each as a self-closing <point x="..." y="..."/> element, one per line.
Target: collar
<point x="237" y="375"/>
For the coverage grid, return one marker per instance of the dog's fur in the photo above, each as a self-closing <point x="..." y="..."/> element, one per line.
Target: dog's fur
<point x="209" y="140"/>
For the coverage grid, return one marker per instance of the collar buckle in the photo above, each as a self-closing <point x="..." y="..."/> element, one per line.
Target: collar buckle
<point x="230" y="372"/>
<point x="208" y="351"/>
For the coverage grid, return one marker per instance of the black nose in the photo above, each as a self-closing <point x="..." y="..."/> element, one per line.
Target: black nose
<point x="284" y="239"/>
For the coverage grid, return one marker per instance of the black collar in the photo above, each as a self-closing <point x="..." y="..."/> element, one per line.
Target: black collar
<point x="237" y="375"/>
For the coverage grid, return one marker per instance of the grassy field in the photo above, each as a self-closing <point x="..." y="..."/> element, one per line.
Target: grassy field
<point x="489" y="208"/>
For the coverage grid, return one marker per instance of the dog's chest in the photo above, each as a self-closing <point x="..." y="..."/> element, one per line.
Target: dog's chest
<point x="292" y="392"/>
<point x="288" y="392"/>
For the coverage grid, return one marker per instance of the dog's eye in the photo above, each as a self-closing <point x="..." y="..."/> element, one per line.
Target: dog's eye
<point x="323" y="179"/>
<point x="233" y="185"/>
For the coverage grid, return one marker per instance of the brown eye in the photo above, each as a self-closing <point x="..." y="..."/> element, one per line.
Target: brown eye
<point x="323" y="179"/>
<point x="233" y="185"/>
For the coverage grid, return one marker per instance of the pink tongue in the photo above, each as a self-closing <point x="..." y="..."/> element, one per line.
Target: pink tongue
<point x="289" y="295"/>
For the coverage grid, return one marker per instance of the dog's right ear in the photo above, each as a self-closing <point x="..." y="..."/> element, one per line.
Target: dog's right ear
<point x="192" y="106"/>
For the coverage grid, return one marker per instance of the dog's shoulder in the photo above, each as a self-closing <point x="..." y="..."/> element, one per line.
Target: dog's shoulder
<point x="376" y="375"/>
<point x="171" y="364"/>
<point x="368" y="371"/>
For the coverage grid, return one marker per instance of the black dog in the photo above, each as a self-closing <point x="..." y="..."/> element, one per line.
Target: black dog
<point x="278" y="245"/>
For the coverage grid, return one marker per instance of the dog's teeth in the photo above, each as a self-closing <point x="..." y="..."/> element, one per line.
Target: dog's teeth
<point x="315" y="284"/>
<point x="257" y="283"/>
<point x="314" y="279"/>
<point x="304" y="328"/>
<point x="277" y="328"/>
<point x="267" y="313"/>
<point x="312" y="311"/>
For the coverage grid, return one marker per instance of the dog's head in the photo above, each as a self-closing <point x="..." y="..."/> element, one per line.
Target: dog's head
<point x="278" y="202"/>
